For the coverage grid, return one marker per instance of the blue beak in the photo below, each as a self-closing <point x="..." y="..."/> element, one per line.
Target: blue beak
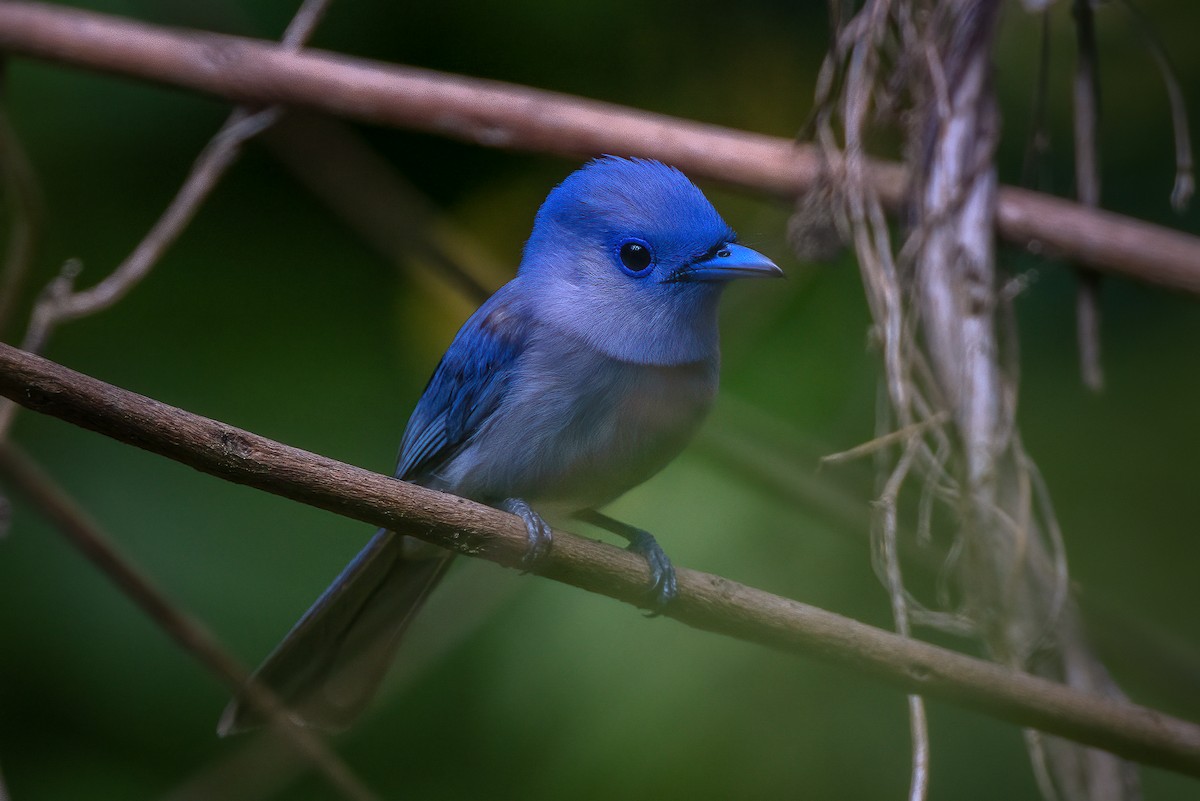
<point x="730" y="262"/>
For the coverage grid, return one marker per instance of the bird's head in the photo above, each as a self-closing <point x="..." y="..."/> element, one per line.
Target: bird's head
<point x="630" y="255"/>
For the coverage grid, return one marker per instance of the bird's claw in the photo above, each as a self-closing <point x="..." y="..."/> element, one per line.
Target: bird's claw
<point x="540" y="536"/>
<point x="663" y="584"/>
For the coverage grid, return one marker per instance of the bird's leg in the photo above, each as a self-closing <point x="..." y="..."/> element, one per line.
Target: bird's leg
<point x="663" y="584"/>
<point x="538" y="532"/>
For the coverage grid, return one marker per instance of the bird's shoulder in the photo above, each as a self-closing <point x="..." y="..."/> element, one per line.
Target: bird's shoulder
<point x="468" y="384"/>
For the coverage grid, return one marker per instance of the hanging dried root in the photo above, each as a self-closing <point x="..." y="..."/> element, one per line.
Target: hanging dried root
<point x="943" y="328"/>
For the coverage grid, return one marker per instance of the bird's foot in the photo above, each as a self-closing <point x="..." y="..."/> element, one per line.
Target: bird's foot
<point x="663" y="584"/>
<point x="540" y="537"/>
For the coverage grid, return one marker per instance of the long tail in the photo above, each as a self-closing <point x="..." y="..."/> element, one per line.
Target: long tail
<point x="331" y="663"/>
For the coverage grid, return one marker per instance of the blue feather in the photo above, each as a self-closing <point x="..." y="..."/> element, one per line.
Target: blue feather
<point x="467" y="386"/>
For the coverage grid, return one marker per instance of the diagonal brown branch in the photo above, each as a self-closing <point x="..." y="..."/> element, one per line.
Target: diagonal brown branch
<point x="706" y="601"/>
<point x="25" y="475"/>
<point x="496" y="114"/>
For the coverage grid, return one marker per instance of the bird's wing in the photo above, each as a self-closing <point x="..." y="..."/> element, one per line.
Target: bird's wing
<point x="466" y="387"/>
<point x="329" y="665"/>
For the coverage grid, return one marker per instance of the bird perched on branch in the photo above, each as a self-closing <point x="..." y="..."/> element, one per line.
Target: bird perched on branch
<point x="577" y="380"/>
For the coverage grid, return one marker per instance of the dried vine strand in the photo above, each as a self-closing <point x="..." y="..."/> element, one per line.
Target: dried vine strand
<point x="1007" y="566"/>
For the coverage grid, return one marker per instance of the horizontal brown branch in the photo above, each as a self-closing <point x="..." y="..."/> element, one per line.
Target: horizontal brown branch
<point x="504" y="115"/>
<point x="705" y="601"/>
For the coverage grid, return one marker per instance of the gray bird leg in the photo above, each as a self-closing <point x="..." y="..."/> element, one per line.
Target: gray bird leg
<point x="539" y="534"/>
<point x="663" y="584"/>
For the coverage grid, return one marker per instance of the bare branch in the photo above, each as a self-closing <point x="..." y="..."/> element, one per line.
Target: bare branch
<point x="1037" y="145"/>
<point x="886" y="440"/>
<point x="304" y="23"/>
<point x="25" y="209"/>
<point x="707" y="602"/>
<point x="1087" y="186"/>
<point x="1185" y="178"/>
<point x="87" y="537"/>
<point x="55" y="308"/>
<point x="496" y="114"/>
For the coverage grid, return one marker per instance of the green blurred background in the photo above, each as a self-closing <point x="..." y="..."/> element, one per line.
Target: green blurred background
<point x="272" y="315"/>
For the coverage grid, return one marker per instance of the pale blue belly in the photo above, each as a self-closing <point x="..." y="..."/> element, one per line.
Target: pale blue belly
<point x="579" y="428"/>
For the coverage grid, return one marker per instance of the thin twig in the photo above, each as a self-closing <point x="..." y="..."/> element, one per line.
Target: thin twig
<point x="883" y="441"/>
<point x="1185" y="178"/>
<point x="495" y="114"/>
<point x="303" y="24"/>
<point x="218" y="155"/>
<point x="25" y="209"/>
<point x="60" y="303"/>
<point x="87" y="537"/>
<point x="1037" y="145"/>
<point x="886" y="527"/>
<point x="705" y="601"/>
<point x="1087" y="187"/>
<point x="1087" y="106"/>
<point x="860" y="49"/>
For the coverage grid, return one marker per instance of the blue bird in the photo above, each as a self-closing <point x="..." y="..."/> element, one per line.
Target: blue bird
<point x="579" y="379"/>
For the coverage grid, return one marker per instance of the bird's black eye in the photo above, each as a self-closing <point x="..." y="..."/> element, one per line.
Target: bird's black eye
<point x="636" y="257"/>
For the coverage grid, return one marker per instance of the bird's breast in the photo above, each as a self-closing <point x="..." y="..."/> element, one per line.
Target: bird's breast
<point x="578" y="428"/>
